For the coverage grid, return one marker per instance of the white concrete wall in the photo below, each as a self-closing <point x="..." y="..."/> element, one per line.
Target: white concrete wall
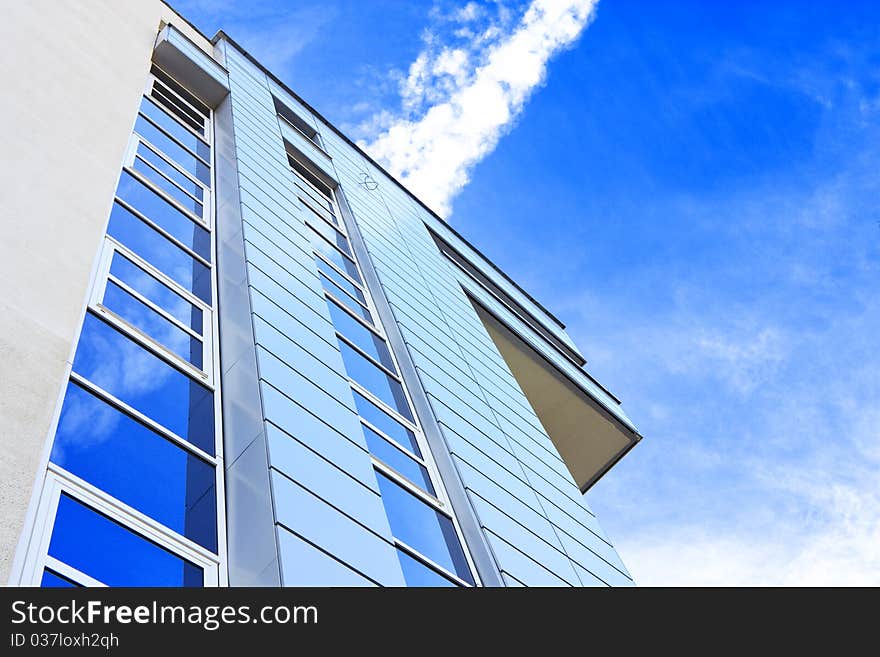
<point x="71" y="74"/>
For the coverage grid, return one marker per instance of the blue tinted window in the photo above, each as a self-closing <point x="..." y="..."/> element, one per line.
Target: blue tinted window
<point x="153" y="289"/>
<point x="163" y="214"/>
<point x="51" y="579"/>
<point x="423" y="528"/>
<point x="119" y="455"/>
<point x="163" y="183"/>
<point x="339" y="281"/>
<point x="318" y="209"/>
<point x="360" y="335"/>
<point x="397" y="460"/>
<point x="174" y="106"/>
<point x="171" y="171"/>
<point x="173" y="127"/>
<point x="173" y="150"/>
<point x="374" y="379"/>
<point x="340" y="294"/>
<point x="145" y="382"/>
<point x="153" y="247"/>
<point x="330" y="234"/>
<point x="335" y="256"/>
<point x="387" y="424"/>
<point x="112" y="554"/>
<point x="151" y="323"/>
<point x="415" y="573"/>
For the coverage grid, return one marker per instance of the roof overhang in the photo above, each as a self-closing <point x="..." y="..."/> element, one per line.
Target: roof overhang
<point x="191" y="65"/>
<point x="589" y="439"/>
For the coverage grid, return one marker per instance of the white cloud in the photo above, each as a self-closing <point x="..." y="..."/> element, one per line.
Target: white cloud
<point x="459" y="100"/>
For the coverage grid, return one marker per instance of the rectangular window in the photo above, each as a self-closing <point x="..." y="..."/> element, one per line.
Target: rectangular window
<point x="341" y="282"/>
<point x="111" y="553"/>
<point x="138" y="279"/>
<point x="180" y="155"/>
<point x="388" y="453"/>
<point x="181" y="179"/>
<point x="416" y="573"/>
<point x="169" y="187"/>
<point x="373" y="378"/>
<point x="334" y="255"/>
<point x="173" y="128"/>
<point x="139" y="315"/>
<point x="423" y="528"/>
<point x="392" y="428"/>
<point x="147" y="383"/>
<point x="162" y="213"/>
<point x="159" y="478"/>
<point x="180" y="90"/>
<point x="311" y="179"/>
<point x="155" y="248"/>
<point x="363" y="337"/>
<point x="330" y="234"/>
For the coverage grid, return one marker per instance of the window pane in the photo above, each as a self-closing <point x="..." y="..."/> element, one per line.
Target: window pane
<point x="150" y="287"/>
<point x="146" y="319"/>
<point x="360" y="335"/>
<point x="307" y="175"/>
<point x="310" y="197"/>
<point x="145" y="382"/>
<point x="397" y="460"/>
<point x="179" y="90"/>
<point x="340" y="281"/>
<point x="374" y="379"/>
<point x="387" y="424"/>
<point x="173" y="127"/>
<point x="169" y="170"/>
<point x="316" y="208"/>
<point x="327" y="250"/>
<point x="160" y="181"/>
<point x="155" y="248"/>
<point x="119" y="455"/>
<point x="349" y="303"/>
<point x="179" y="110"/>
<point x="173" y="150"/>
<point x="415" y="573"/>
<point x="163" y="214"/>
<point x="52" y="579"/>
<point x="423" y="528"/>
<point x="112" y="554"/>
<point x="330" y="234"/>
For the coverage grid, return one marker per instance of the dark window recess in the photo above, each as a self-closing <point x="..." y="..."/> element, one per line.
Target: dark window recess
<point x="177" y="88"/>
<point x="296" y="121"/>
<point x="307" y="175"/>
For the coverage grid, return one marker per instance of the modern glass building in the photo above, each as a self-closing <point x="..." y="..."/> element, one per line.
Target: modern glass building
<point x="237" y="352"/>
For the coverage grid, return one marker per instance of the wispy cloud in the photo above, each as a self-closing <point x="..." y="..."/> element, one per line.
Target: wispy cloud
<point x="463" y="92"/>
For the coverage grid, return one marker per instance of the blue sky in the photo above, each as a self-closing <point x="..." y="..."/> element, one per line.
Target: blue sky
<point x="702" y="179"/>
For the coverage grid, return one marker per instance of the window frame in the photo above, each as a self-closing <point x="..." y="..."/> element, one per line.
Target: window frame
<point x="59" y="481"/>
<point x="205" y="375"/>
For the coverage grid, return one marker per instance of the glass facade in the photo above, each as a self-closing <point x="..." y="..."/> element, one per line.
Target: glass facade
<point x="133" y="480"/>
<point x="429" y="546"/>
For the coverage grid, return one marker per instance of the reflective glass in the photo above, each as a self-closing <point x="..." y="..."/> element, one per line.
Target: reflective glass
<point x="363" y="337"/>
<point x="155" y="248"/>
<point x="397" y="460"/>
<point x="170" y="170"/>
<point x="415" y="573"/>
<point x="319" y="209"/>
<point x="340" y="281"/>
<point x="310" y="197"/>
<point x="145" y="382"/>
<point x="163" y="214"/>
<point x="311" y="178"/>
<point x="423" y="528"/>
<point x="330" y="234"/>
<point x="172" y="149"/>
<point x="161" y="182"/>
<point x="112" y="554"/>
<point x="158" y="478"/>
<point x="335" y="256"/>
<point x="349" y="303"/>
<point x="387" y="424"/>
<point x="173" y="127"/>
<point x="52" y="579"/>
<point x="181" y="112"/>
<point x="153" y="289"/>
<point x="374" y="379"/>
<point x="147" y="320"/>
